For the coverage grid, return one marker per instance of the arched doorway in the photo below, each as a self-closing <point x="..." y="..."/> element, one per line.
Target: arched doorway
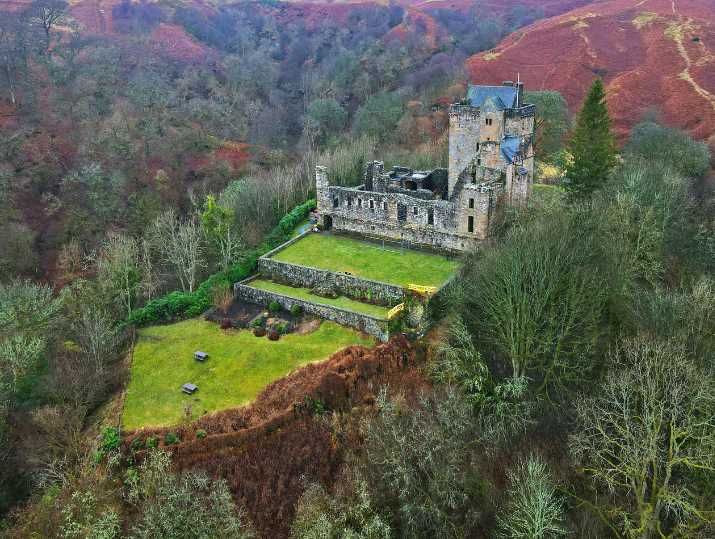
<point x="327" y="222"/>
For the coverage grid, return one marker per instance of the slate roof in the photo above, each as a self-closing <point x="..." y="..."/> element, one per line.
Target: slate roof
<point x="504" y="97"/>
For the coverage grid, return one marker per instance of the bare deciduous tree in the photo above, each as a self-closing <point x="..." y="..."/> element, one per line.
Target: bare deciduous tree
<point x="182" y="247"/>
<point x="47" y="14"/>
<point x="97" y="338"/>
<point x="118" y="268"/>
<point x="644" y="437"/>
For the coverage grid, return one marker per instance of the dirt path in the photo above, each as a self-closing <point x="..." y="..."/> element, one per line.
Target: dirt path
<point x="676" y="31"/>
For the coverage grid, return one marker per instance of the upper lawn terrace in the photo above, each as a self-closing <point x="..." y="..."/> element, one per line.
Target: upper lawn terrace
<point x="389" y="264"/>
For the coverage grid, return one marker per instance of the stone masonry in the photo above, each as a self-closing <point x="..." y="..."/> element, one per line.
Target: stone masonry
<point x="491" y="164"/>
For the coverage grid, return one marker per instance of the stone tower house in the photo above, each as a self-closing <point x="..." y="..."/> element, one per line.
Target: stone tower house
<point x="491" y="163"/>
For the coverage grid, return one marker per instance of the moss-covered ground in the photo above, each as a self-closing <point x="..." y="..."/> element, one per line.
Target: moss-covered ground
<point x="303" y="293"/>
<point x="239" y="366"/>
<point x="388" y="264"/>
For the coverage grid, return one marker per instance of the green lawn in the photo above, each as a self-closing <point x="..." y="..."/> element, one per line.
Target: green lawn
<point x="239" y="367"/>
<point x="369" y="260"/>
<point x="303" y="293"/>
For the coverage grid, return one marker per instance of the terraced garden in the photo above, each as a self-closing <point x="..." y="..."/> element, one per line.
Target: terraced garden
<point x="305" y="294"/>
<point x="388" y="264"/>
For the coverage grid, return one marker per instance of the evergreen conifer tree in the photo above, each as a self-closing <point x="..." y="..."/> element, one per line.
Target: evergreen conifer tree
<point x="592" y="145"/>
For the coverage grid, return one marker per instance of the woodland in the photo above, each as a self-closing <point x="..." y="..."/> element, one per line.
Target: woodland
<point x="566" y="388"/>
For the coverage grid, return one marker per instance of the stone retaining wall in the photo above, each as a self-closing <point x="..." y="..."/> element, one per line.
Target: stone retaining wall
<point x="372" y="326"/>
<point x="346" y="285"/>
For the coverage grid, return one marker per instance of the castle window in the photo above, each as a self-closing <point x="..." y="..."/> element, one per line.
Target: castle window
<point x="384" y="205"/>
<point x="430" y="216"/>
<point x="350" y="202"/>
<point x="359" y="202"/>
<point x="488" y="121"/>
<point x="414" y="210"/>
<point x="336" y="202"/>
<point x="479" y="161"/>
<point x="470" y="224"/>
<point x="372" y="205"/>
<point x="471" y="203"/>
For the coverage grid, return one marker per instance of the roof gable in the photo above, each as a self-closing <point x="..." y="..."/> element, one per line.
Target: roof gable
<point x="506" y="95"/>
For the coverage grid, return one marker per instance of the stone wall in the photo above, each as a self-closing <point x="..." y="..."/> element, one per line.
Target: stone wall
<point x="409" y="236"/>
<point x="362" y="322"/>
<point x="346" y="285"/>
<point x="429" y="223"/>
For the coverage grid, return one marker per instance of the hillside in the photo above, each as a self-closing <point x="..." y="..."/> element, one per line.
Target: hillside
<point x="652" y="54"/>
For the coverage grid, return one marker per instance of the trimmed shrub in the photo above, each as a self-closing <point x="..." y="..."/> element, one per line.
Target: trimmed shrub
<point x="171" y="438"/>
<point x="201" y="434"/>
<point x="259" y="332"/>
<point x="257" y="322"/>
<point x="137" y="444"/>
<point x="274" y="307"/>
<point x="296" y="310"/>
<point x="152" y="442"/>
<point x="273" y="335"/>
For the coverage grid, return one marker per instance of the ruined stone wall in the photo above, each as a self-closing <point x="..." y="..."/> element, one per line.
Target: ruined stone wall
<point x="344" y="284"/>
<point x="433" y="223"/>
<point x="362" y="322"/>
<point x="322" y="194"/>
<point x="479" y="205"/>
<point x="411" y="236"/>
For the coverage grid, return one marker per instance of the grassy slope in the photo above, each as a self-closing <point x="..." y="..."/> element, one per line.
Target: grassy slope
<point x="239" y="367"/>
<point x="368" y="260"/>
<point x="303" y="293"/>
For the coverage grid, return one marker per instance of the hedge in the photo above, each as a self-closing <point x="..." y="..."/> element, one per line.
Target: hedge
<point x="176" y="305"/>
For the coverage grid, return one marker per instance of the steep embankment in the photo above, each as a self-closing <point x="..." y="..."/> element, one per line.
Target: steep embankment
<point x="268" y="450"/>
<point x="651" y="53"/>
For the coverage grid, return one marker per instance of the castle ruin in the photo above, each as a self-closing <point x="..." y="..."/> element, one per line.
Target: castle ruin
<point x="491" y="163"/>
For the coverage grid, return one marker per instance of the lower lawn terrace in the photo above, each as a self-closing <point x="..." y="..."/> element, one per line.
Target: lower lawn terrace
<point x="238" y="367"/>
<point x="386" y="263"/>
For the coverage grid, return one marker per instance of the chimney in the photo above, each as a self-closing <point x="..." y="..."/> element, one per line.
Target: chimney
<point x="520" y="95"/>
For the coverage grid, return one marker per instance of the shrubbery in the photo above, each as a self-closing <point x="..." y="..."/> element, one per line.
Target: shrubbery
<point x="171" y="438"/>
<point x="177" y="304"/>
<point x="110" y="439"/>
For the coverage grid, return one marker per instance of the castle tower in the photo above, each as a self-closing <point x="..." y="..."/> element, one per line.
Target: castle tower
<point x="463" y="142"/>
